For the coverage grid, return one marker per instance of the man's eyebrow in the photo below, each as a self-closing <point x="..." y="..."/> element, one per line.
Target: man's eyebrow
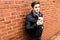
<point x="35" y="7"/>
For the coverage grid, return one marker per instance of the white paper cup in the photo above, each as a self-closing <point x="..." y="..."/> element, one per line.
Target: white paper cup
<point x="40" y="18"/>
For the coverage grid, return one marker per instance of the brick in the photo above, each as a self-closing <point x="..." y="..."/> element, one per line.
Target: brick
<point x="4" y="6"/>
<point x="3" y="34"/>
<point x="2" y="19"/>
<point x="8" y="2"/>
<point x="10" y="17"/>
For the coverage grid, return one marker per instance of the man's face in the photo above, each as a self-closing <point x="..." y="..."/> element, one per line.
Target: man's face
<point x="36" y="8"/>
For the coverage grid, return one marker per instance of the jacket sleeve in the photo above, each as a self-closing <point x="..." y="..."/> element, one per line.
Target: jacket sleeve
<point x="29" y="26"/>
<point x="41" y="15"/>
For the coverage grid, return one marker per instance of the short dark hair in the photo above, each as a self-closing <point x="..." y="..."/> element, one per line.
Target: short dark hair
<point x="34" y="3"/>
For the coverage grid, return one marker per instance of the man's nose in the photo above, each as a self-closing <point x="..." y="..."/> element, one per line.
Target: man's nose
<point x="38" y="8"/>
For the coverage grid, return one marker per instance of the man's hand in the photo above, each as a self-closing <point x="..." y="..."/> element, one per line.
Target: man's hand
<point x="39" y="22"/>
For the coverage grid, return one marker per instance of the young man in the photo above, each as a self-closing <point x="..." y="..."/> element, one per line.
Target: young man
<point x="34" y="22"/>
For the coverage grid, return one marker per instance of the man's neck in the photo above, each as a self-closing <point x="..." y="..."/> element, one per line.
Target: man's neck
<point x="35" y="13"/>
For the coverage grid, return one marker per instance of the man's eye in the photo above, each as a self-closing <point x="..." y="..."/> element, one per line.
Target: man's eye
<point x="35" y="7"/>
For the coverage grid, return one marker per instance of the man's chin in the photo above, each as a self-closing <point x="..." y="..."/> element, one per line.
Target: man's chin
<point x="37" y="12"/>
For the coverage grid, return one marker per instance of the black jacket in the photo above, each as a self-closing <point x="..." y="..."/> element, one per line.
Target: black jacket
<point x="32" y="28"/>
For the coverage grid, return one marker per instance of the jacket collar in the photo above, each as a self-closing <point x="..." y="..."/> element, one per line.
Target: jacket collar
<point x="33" y="14"/>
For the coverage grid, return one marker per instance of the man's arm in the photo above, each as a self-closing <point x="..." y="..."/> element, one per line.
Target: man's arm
<point x="28" y="24"/>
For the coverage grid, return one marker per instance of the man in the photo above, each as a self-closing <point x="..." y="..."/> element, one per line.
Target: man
<point x="34" y="22"/>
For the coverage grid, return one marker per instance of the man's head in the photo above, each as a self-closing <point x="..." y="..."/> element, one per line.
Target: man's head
<point x="36" y="6"/>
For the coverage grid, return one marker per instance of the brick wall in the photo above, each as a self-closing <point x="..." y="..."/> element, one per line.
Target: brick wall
<point x="12" y="19"/>
<point x="50" y="9"/>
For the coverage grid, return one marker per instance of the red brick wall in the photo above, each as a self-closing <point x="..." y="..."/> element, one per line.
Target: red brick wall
<point x="12" y="19"/>
<point x="50" y="9"/>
